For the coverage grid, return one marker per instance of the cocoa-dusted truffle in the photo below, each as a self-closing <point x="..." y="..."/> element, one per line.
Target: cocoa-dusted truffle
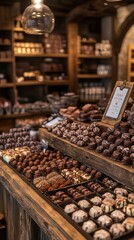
<point x="117" y="133"/>
<point x="91" y="145"/>
<point x="118" y="142"/>
<point x="126" y="152"/>
<point x="106" y="152"/>
<point x="126" y="160"/>
<point x="127" y="143"/>
<point x="117" y="155"/>
<point x="99" y="149"/>
<point x="104" y="135"/>
<point x="111" y="138"/>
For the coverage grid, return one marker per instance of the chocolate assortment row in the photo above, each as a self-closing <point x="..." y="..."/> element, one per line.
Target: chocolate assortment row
<point x="117" y="143"/>
<point x="51" y="169"/>
<point x="105" y="215"/>
<point x="19" y="137"/>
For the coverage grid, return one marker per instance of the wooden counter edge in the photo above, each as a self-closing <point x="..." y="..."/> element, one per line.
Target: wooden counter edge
<point x="46" y="217"/>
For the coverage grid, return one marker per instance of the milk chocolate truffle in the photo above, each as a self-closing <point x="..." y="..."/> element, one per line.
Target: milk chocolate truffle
<point x="79" y="216"/>
<point x="101" y="235"/>
<point x="120" y="191"/>
<point x="104" y="221"/>
<point x="70" y="208"/>
<point x="96" y="200"/>
<point x="120" y="201"/>
<point x="131" y="197"/>
<point x="129" y="210"/>
<point x="95" y="211"/>
<point x="89" y="226"/>
<point x="117" y="216"/>
<point x="117" y="230"/>
<point x="83" y="204"/>
<point x="108" y="204"/>
<point x="128" y="224"/>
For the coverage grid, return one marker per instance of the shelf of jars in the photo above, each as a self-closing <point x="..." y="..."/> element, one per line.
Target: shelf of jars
<point x="114" y="169"/>
<point x="45" y="82"/>
<point x="86" y="76"/>
<point x="94" y="56"/>
<point x="6" y="60"/>
<point x="58" y="55"/>
<point x="6" y="85"/>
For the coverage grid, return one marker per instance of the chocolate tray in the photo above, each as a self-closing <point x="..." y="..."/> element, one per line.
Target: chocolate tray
<point x="59" y="207"/>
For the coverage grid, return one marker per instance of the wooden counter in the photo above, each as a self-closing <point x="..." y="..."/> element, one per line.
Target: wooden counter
<point x="46" y="217"/>
<point x="122" y="173"/>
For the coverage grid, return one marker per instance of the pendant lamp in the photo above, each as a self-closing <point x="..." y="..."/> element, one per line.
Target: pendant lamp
<point x="38" y="18"/>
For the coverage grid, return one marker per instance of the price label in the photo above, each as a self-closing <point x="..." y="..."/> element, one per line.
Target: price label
<point x="117" y="103"/>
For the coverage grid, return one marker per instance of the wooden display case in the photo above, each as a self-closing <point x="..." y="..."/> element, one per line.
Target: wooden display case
<point x="131" y="63"/>
<point x="121" y="173"/>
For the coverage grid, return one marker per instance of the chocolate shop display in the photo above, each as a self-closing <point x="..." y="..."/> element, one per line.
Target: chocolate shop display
<point x="92" y="202"/>
<point x="116" y="143"/>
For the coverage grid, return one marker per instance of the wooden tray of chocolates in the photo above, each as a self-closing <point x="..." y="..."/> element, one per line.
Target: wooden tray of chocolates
<point x="114" y="169"/>
<point x="90" y="189"/>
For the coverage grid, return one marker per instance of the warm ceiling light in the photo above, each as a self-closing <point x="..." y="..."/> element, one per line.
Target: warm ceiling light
<point x="38" y="18"/>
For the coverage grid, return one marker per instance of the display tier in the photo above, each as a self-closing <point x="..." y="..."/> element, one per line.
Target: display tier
<point x="121" y="173"/>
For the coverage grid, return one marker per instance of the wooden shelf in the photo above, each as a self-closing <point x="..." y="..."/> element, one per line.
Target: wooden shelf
<point x="45" y="82"/>
<point x="88" y="41"/>
<point x="6" y="85"/>
<point x="93" y="76"/>
<point x="65" y="55"/>
<point x="5" y="44"/>
<point x="23" y="115"/>
<point x="56" y="82"/>
<point x="19" y="29"/>
<point x="30" y="83"/>
<point x="94" y="56"/>
<point x="122" y="173"/>
<point x="6" y="60"/>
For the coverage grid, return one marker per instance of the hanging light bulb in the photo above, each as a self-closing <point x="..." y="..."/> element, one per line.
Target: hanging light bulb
<point x="38" y="18"/>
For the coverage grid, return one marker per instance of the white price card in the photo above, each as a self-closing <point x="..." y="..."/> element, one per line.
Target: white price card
<point x="117" y="103"/>
<point x="53" y="122"/>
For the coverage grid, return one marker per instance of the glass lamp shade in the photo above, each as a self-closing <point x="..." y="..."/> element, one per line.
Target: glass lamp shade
<point x="38" y="18"/>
